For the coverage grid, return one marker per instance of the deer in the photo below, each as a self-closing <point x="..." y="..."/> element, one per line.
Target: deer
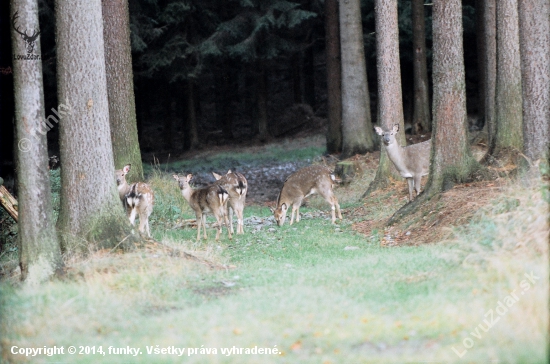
<point x="212" y="198"/>
<point x="236" y="185"/>
<point x="29" y="39"/>
<point x="301" y="184"/>
<point x="412" y="162"/>
<point x="137" y="198"/>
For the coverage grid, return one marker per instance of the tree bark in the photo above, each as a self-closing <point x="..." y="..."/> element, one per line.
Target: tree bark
<point x="534" y="32"/>
<point x="421" y="113"/>
<point x="120" y="87"/>
<point x="90" y="206"/>
<point x="451" y="160"/>
<point x="481" y="58"/>
<point x="490" y="67"/>
<point x="39" y="252"/>
<point x="509" y="123"/>
<point x="357" y="134"/>
<point x="390" y="99"/>
<point x="334" y="77"/>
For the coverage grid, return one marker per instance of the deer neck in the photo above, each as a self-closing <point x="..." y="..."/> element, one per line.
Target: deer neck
<point x="397" y="155"/>
<point x="187" y="193"/>
<point x="123" y="189"/>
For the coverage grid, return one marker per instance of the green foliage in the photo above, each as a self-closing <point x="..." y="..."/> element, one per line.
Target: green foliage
<point x="184" y="39"/>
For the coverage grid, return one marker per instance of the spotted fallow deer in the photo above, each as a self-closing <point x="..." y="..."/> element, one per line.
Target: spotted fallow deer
<point x="212" y="198"/>
<point x="137" y="198"/>
<point x="299" y="185"/>
<point x="236" y="185"/>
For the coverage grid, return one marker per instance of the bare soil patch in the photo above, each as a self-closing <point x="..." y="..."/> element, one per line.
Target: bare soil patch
<point x="435" y="219"/>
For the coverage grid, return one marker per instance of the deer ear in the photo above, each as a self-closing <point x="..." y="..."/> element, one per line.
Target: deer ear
<point x="126" y="168"/>
<point x="189" y="176"/>
<point x="229" y="171"/>
<point x="176" y="177"/>
<point x="379" y="130"/>
<point x="272" y="209"/>
<point x="216" y="176"/>
<point x="395" y="128"/>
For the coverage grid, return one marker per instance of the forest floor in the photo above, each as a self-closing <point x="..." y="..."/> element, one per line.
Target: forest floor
<point x="429" y="289"/>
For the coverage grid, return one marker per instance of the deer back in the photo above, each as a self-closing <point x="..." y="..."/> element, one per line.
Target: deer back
<point x="304" y="182"/>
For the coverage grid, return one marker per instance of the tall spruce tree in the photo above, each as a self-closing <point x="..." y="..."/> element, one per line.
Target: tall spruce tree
<point x="390" y="100"/>
<point x="534" y="25"/>
<point x="334" y="77"/>
<point x="509" y="118"/>
<point x="39" y="252"/>
<point x="90" y="206"/>
<point x="120" y="87"/>
<point x="451" y="160"/>
<point x="357" y="134"/>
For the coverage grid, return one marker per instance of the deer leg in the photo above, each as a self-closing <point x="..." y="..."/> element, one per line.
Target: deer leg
<point x="337" y="208"/>
<point x="230" y="208"/>
<point x="410" y="181"/>
<point x="142" y="222"/>
<point x="133" y="216"/>
<point x="204" y="226"/>
<point x="198" y="217"/>
<point x="240" y="220"/>
<point x="417" y="184"/>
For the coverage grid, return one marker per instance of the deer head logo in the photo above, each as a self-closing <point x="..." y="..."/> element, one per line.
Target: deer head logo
<point x="29" y="39"/>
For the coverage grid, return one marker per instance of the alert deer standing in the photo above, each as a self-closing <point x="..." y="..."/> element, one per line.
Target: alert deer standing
<point x="412" y="162"/>
<point x="212" y="198"/>
<point x="236" y="185"/>
<point x="137" y="198"/>
<point x="303" y="183"/>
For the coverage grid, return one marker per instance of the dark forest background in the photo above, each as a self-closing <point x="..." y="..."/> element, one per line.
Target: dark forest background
<point x="215" y="55"/>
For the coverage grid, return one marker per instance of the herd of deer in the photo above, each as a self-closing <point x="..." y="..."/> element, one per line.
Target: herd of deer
<point x="228" y="193"/>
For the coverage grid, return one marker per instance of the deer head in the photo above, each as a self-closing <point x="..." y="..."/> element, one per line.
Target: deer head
<point x="29" y="39"/>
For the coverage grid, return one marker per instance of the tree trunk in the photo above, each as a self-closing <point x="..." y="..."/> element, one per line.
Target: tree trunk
<point x="390" y="99"/>
<point x="490" y="67"/>
<point x="120" y="87"/>
<point x="509" y="133"/>
<point x="334" y="77"/>
<point x="90" y="206"/>
<point x="357" y="134"/>
<point x="191" y="116"/>
<point x="481" y="58"/>
<point x="421" y="113"/>
<point x="451" y="160"/>
<point x="223" y="105"/>
<point x="534" y="31"/>
<point x="39" y="253"/>
<point x="261" y="104"/>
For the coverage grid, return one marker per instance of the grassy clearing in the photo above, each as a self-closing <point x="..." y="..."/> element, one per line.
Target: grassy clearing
<point x="320" y="293"/>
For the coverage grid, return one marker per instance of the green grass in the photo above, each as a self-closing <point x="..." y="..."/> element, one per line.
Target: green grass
<point x="320" y="293"/>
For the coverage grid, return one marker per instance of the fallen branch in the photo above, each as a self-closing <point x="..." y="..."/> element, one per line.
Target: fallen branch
<point x="8" y="202"/>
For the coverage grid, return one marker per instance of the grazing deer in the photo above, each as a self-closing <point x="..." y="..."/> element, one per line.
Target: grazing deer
<point x="212" y="198"/>
<point x="137" y="198"/>
<point x="412" y="162"/>
<point x="236" y="185"/>
<point x="299" y="185"/>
